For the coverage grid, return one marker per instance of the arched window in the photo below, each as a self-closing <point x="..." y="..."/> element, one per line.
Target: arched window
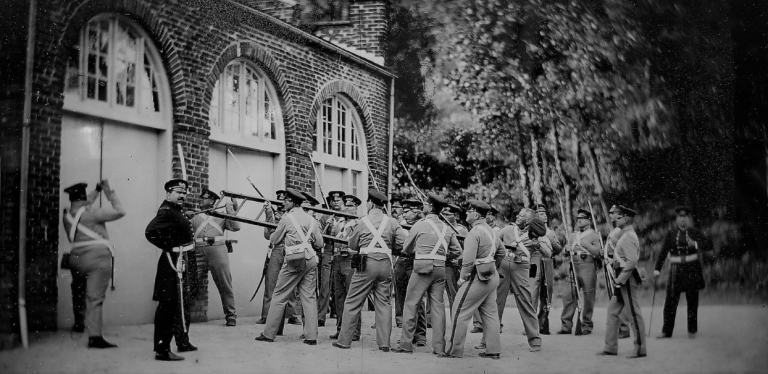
<point x="115" y="72"/>
<point x="244" y="109"/>
<point x="339" y="148"/>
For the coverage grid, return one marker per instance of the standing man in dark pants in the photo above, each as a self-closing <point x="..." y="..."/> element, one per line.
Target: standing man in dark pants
<point x="452" y="270"/>
<point x="547" y="269"/>
<point x="172" y="232"/>
<point x="685" y="248"/>
<point x="327" y="222"/>
<point x="412" y="210"/>
<point x="342" y="264"/>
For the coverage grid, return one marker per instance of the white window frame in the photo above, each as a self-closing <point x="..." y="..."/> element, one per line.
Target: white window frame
<point x="78" y="102"/>
<point x="351" y="168"/>
<point x="244" y="137"/>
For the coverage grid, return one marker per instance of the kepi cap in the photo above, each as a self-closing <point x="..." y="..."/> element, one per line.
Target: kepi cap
<point x="480" y="206"/>
<point x="336" y="194"/>
<point x="280" y="194"/>
<point x="178" y="185"/>
<point x="583" y="213"/>
<point x="685" y="208"/>
<point x="208" y="194"/>
<point x="377" y="197"/>
<point x="294" y="195"/>
<point x="436" y="200"/>
<point x="77" y="192"/>
<point x="627" y="211"/>
<point x="352" y="198"/>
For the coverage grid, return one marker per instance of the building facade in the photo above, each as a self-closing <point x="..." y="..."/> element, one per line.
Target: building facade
<point x="244" y="88"/>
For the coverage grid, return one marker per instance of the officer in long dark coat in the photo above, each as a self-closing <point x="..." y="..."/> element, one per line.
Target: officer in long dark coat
<point x="172" y="232"/>
<point x="684" y="247"/>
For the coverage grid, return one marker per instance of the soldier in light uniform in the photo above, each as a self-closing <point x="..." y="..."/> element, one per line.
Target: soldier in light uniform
<point x="342" y="264"/>
<point x="397" y="208"/>
<point x="91" y="257"/>
<point x="628" y="283"/>
<point x="172" y="232"/>
<point x="515" y="269"/>
<point x="453" y="269"/>
<point x="547" y="269"/>
<point x="411" y="213"/>
<point x="431" y="242"/>
<point x="477" y="285"/>
<point x="327" y="222"/>
<point x="302" y="237"/>
<point x="610" y="243"/>
<point x="376" y="238"/>
<point x="210" y="241"/>
<point x="685" y="247"/>
<point x="584" y="247"/>
<point x="275" y="257"/>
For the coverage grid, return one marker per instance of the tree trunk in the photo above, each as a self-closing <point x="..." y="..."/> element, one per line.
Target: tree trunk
<point x="564" y="179"/>
<point x="595" y="174"/>
<point x="536" y="187"/>
<point x="522" y="168"/>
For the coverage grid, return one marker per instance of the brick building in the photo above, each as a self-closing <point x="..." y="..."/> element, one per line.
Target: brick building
<point x="117" y="85"/>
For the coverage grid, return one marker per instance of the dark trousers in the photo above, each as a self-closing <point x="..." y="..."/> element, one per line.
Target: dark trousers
<point x="402" y="275"/>
<point x="342" y="277"/>
<point x="670" y="311"/>
<point x="324" y="286"/>
<point x="168" y="324"/>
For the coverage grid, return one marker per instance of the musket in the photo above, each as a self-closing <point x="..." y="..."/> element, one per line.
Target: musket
<point x="573" y="275"/>
<point x="607" y="269"/>
<point x="263" y="275"/>
<point x="180" y="260"/>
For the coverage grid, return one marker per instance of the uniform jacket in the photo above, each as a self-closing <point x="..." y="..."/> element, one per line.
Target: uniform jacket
<point x="170" y="228"/>
<point x="209" y="230"/>
<point x="286" y="234"/>
<point x="627" y="253"/>
<point x="342" y="230"/>
<point x="478" y="245"/>
<point x="554" y="242"/>
<point x="507" y="236"/>
<point x="587" y="240"/>
<point x="687" y="276"/>
<point x="95" y="219"/>
<point x="422" y="239"/>
<point x="393" y="235"/>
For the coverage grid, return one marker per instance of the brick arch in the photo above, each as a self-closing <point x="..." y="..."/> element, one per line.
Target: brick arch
<point x="142" y="16"/>
<point x="263" y="58"/>
<point x="361" y="106"/>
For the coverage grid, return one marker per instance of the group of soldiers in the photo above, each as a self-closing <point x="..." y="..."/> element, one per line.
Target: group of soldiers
<point x="419" y="248"/>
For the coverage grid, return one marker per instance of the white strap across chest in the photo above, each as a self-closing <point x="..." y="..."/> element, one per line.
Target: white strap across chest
<point x="304" y="237"/>
<point x="488" y="259"/>
<point x="440" y="242"/>
<point x="377" y="239"/>
<point x="209" y="222"/>
<point x="518" y="242"/>
<point x="77" y="226"/>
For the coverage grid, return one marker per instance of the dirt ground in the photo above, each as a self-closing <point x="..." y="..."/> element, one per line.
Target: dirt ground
<point x="731" y="339"/>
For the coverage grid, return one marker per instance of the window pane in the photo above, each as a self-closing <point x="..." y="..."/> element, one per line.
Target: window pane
<point x="355" y="176"/>
<point x="341" y="126"/>
<point x="232" y="98"/>
<point x="355" y="145"/>
<point x="148" y="83"/>
<point x="252" y="101"/>
<point x="327" y="126"/>
<point x="269" y="116"/>
<point x="213" y="114"/>
<point x="72" y="74"/>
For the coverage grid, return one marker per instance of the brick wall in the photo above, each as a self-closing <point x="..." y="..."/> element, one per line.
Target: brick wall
<point x="197" y="41"/>
<point x="368" y="22"/>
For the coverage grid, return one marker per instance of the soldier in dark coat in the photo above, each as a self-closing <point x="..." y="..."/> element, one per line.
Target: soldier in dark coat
<point x="684" y="247"/>
<point x="172" y="232"/>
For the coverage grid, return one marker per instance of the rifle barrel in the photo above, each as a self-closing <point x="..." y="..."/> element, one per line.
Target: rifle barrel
<point x="268" y="225"/>
<point x="280" y="203"/>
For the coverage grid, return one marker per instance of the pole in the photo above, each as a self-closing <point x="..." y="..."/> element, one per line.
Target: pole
<point x="573" y="274"/>
<point x="248" y="177"/>
<point x="317" y="179"/>
<point x="607" y="271"/>
<point x="653" y="302"/>
<point x="183" y="163"/>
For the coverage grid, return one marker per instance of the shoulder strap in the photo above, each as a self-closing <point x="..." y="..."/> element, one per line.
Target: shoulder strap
<point x="493" y="242"/>
<point x="518" y="240"/>
<point x="376" y="233"/>
<point x="209" y="221"/>
<point x="440" y="237"/>
<point x="75" y="222"/>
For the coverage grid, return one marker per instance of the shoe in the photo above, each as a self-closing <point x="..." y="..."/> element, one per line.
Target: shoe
<point x="441" y="354"/>
<point x="399" y="325"/>
<point x="186" y="348"/>
<point x="168" y="356"/>
<point x="384" y="349"/>
<point x="261" y="321"/>
<point x="356" y="338"/>
<point x="99" y="342"/>
<point x="263" y="338"/>
<point x="231" y="322"/>
<point x="624" y="335"/>
<point x="636" y="356"/>
<point x="337" y="345"/>
<point x="691" y="335"/>
<point x="563" y="332"/>
<point x="544" y="333"/>
<point x="335" y="336"/>
<point x="332" y="315"/>
<point x="294" y="321"/>
<point x="301" y="336"/>
<point x="421" y="344"/>
<point x="78" y="328"/>
<point x="663" y="336"/>
<point x="535" y="348"/>
<point x="310" y="342"/>
<point x="480" y="346"/>
<point x="373" y="326"/>
<point x="494" y="356"/>
<point x="586" y="332"/>
<point x="320" y="323"/>
<point x="429" y="325"/>
<point x="604" y="353"/>
<point x="477" y="330"/>
<point x="400" y="350"/>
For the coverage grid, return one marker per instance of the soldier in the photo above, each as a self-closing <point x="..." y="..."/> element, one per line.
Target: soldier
<point x="327" y="223"/>
<point x="684" y="247"/>
<point x="397" y="209"/>
<point x="431" y="242"/>
<point x="342" y="274"/>
<point x="515" y="270"/>
<point x="302" y="237"/>
<point x="584" y="248"/>
<point x="477" y="286"/>
<point x="452" y="271"/>
<point x="275" y="257"/>
<point x="491" y="219"/>
<point x="411" y="214"/>
<point x="608" y="252"/>
<point x="210" y="242"/>
<point x="376" y="237"/>
<point x="628" y="283"/>
<point x="91" y="257"/>
<point x="172" y="232"/>
<point x="547" y="269"/>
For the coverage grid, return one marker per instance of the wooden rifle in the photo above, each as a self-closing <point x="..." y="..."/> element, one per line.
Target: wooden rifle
<point x="573" y="276"/>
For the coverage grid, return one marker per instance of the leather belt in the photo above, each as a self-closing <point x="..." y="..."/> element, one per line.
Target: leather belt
<point x="184" y="248"/>
<point x="683" y="259"/>
<point x="208" y="241"/>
